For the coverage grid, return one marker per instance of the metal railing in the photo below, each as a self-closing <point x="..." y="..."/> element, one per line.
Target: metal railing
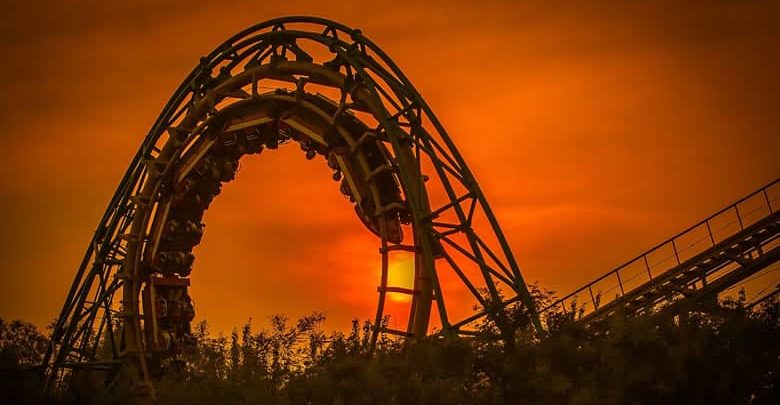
<point x="672" y="252"/>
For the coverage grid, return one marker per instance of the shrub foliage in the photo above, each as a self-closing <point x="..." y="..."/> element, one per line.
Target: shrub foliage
<point x="726" y="353"/>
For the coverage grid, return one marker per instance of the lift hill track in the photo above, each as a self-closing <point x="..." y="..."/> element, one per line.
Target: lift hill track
<point x="698" y="263"/>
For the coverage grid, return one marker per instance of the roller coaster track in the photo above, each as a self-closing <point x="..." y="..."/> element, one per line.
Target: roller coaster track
<point x="299" y="80"/>
<point x="332" y="91"/>
<point x="711" y="256"/>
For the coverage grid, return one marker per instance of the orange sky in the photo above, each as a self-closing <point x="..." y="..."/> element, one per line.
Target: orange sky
<point x="596" y="129"/>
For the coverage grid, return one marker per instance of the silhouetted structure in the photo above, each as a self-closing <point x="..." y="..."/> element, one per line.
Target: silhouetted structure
<point x="692" y="266"/>
<point x="339" y="97"/>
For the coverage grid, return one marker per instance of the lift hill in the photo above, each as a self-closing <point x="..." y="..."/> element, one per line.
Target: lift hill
<point x="717" y="253"/>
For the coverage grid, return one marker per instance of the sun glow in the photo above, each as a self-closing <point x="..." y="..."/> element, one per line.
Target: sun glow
<point x="400" y="273"/>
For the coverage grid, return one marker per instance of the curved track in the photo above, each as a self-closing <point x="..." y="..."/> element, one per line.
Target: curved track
<point x="291" y="80"/>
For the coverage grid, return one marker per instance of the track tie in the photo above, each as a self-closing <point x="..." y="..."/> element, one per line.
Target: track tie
<point x="390" y="207"/>
<point x="380" y="169"/>
<point x="400" y="290"/>
<point x="363" y="138"/>
<point x="129" y="237"/>
<point x="235" y="93"/>
<point x="178" y="134"/>
<point x="393" y="248"/>
<point x="395" y="332"/>
<point x="155" y="166"/>
<point x="144" y="200"/>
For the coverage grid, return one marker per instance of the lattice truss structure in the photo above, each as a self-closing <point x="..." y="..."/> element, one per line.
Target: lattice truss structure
<point x="724" y="251"/>
<point x="331" y="90"/>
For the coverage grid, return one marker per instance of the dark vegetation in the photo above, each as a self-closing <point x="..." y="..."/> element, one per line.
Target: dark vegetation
<point x="726" y="353"/>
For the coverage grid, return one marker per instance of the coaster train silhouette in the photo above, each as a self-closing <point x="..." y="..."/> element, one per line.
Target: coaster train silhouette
<point x="332" y="91"/>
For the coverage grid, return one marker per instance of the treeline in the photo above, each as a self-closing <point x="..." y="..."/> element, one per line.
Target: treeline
<point x="726" y="353"/>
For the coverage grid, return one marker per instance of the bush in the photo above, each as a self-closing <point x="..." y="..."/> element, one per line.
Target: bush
<point x="725" y="354"/>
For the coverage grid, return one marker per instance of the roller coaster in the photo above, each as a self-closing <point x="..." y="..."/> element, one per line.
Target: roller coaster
<point x="329" y="89"/>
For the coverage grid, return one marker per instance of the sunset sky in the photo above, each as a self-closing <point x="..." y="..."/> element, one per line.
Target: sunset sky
<point x="596" y="130"/>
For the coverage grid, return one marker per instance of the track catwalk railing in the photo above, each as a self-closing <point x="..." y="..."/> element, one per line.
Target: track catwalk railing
<point x="671" y="253"/>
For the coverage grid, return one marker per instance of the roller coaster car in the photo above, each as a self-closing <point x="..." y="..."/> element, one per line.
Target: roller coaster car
<point x="199" y="192"/>
<point x="252" y="134"/>
<point x="367" y="176"/>
<point x="356" y="186"/>
<point x="168" y="312"/>
<point x="247" y="141"/>
<point x="181" y="234"/>
<point x="228" y="168"/>
<point x="271" y="125"/>
<point x="174" y="262"/>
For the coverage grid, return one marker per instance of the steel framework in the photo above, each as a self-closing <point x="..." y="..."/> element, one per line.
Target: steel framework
<point x="697" y="264"/>
<point x="330" y="89"/>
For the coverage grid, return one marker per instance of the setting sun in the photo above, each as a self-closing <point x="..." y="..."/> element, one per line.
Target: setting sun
<point x="400" y="273"/>
<point x="390" y="202"/>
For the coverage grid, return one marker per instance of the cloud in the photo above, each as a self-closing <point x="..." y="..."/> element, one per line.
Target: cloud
<point x="595" y="128"/>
